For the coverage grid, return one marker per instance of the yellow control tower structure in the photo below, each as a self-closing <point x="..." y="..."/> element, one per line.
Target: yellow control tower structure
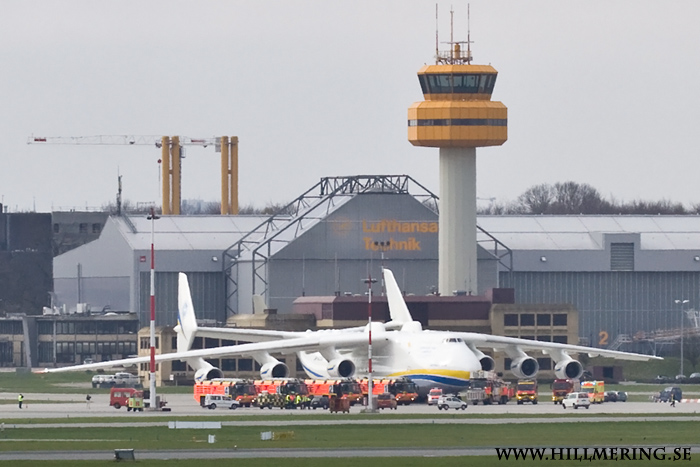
<point x="457" y="116"/>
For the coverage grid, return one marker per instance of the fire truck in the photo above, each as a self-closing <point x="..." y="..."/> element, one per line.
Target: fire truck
<point x="526" y="391"/>
<point x="562" y="387"/>
<point x="348" y="387"/>
<point x="404" y="390"/>
<point x="488" y="388"/>
<point x="242" y="390"/>
<point x="595" y="390"/>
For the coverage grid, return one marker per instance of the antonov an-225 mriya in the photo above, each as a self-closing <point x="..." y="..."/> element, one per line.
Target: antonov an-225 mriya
<point x="400" y="347"/>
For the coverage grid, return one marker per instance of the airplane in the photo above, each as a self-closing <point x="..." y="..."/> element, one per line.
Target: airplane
<point x="400" y="348"/>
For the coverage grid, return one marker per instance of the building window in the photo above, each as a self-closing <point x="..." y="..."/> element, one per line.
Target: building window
<point x="544" y="338"/>
<point x="245" y="364"/>
<point x="544" y="319"/>
<point x="545" y="363"/>
<point x="56" y="228"/>
<point x="83" y="228"/>
<point x="510" y="319"/>
<point x="179" y="366"/>
<point x="96" y="228"/>
<point x="527" y="319"/>
<point x="228" y="364"/>
<point x="559" y="319"/>
<point x="560" y="339"/>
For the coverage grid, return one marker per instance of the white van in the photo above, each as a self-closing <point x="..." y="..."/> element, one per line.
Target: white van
<point x="212" y="401"/>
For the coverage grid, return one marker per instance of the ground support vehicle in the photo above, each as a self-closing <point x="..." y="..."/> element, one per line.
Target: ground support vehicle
<point x="404" y="390"/>
<point x="488" y="389"/>
<point x="213" y="401"/>
<point x="337" y="404"/>
<point x="526" y="391"/>
<point x="243" y="390"/>
<point x="562" y="387"/>
<point x="348" y="387"/>
<point x="576" y="400"/>
<point x="119" y="397"/>
<point x="433" y="396"/>
<point x="386" y="401"/>
<point x="288" y="393"/>
<point x="135" y="402"/>
<point x="669" y="394"/>
<point x="610" y="396"/>
<point x="319" y="402"/>
<point x="595" y="390"/>
<point x="451" y="402"/>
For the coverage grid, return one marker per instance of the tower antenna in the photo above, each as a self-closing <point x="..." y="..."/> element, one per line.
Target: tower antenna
<point x="469" y="41"/>
<point x="437" y="46"/>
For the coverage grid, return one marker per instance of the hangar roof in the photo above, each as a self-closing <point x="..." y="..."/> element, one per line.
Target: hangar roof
<point x="586" y="232"/>
<point x="187" y="232"/>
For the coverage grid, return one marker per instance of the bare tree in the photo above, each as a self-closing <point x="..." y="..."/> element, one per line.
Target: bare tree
<point x="536" y="200"/>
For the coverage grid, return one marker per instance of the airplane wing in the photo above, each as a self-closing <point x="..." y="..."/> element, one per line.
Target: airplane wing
<point x="311" y="342"/>
<point x="503" y="343"/>
<point x="258" y="335"/>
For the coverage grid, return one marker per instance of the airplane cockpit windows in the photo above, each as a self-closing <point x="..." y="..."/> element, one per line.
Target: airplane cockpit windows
<point x="451" y="340"/>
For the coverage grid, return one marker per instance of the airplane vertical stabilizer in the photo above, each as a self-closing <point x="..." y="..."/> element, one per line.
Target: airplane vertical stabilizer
<point x="187" y="321"/>
<point x="398" y="310"/>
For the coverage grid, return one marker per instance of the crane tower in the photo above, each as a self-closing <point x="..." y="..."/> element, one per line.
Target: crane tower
<point x="457" y="116"/>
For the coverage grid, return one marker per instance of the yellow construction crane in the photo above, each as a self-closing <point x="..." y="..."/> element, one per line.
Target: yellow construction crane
<point x="171" y="149"/>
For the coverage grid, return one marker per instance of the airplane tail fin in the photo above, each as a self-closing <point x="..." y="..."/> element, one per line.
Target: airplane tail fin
<point x="187" y="321"/>
<point x="398" y="310"/>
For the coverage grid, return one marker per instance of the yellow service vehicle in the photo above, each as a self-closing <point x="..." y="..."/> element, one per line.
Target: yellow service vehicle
<point x="595" y="390"/>
<point x="526" y="391"/>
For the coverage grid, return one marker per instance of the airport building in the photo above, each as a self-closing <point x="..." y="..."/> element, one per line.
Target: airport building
<point x="607" y="281"/>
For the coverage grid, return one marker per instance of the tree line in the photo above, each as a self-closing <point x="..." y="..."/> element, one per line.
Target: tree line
<point x="553" y="199"/>
<point x="581" y="198"/>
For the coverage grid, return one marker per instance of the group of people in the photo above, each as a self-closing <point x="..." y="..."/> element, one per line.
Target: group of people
<point x="297" y="400"/>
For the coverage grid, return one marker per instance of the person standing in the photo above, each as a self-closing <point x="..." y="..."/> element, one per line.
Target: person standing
<point x="87" y="400"/>
<point x="20" y="399"/>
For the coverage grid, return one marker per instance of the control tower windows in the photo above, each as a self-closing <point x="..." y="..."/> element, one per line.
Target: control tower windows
<point x="457" y="83"/>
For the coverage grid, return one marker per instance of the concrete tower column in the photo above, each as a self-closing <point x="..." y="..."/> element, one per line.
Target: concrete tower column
<point x="457" y="268"/>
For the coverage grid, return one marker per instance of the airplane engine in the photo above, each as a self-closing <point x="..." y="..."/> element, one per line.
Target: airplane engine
<point x="207" y="371"/>
<point x="568" y="369"/>
<point x="274" y="369"/>
<point x="524" y="367"/>
<point x="340" y="368"/>
<point x="487" y="363"/>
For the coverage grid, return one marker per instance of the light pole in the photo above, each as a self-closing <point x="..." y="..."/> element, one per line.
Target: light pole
<point x="370" y="382"/>
<point x="152" y="370"/>
<point x="681" y="303"/>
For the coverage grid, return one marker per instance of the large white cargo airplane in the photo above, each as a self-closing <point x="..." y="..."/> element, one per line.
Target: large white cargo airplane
<point x="444" y="359"/>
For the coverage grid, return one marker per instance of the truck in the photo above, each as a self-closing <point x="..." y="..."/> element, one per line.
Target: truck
<point x="562" y="387"/>
<point x="350" y="388"/>
<point x="403" y="389"/>
<point x="526" y="391"/>
<point x="595" y="390"/>
<point x="488" y="388"/>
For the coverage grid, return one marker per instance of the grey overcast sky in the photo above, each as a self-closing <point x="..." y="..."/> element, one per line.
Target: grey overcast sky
<point x="598" y="92"/>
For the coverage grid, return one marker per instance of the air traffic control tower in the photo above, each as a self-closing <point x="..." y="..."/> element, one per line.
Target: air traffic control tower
<point x="457" y="116"/>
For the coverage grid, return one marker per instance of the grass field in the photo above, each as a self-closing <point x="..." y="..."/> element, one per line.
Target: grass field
<point x="355" y="436"/>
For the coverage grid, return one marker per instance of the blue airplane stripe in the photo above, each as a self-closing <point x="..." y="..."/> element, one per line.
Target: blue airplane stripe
<point x="441" y="379"/>
<point x="312" y="372"/>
